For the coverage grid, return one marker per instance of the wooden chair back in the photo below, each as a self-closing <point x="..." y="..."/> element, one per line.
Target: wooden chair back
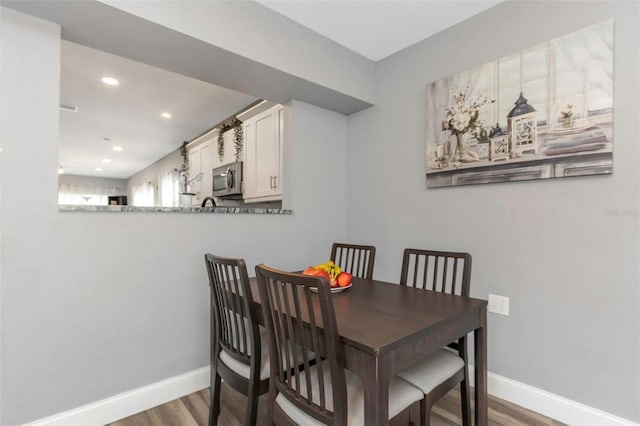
<point x="447" y="272"/>
<point x="358" y="260"/>
<point x="443" y="271"/>
<point x="234" y="321"/>
<point x="300" y="320"/>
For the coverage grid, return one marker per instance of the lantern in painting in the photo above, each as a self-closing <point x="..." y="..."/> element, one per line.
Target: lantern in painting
<point x="522" y="126"/>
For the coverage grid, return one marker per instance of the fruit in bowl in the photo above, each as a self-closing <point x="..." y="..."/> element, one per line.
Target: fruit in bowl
<point x="344" y="279"/>
<point x="331" y="271"/>
<point x="316" y="272"/>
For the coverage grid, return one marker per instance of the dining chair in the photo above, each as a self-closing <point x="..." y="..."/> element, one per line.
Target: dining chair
<point x="236" y="339"/>
<point x="447" y="272"/>
<point x="358" y="260"/>
<point x="321" y="394"/>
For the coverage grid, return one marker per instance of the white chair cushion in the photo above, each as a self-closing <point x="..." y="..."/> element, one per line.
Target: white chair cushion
<point x="426" y="375"/>
<point x="401" y="396"/>
<point x="265" y="368"/>
<point x="243" y="369"/>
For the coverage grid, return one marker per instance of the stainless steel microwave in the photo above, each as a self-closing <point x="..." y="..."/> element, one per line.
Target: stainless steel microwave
<point x="227" y="180"/>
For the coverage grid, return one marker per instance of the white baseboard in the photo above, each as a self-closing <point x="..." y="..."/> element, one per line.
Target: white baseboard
<point x="129" y="403"/>
<point x="132" y="402"/>
<point x="549" y="404"/>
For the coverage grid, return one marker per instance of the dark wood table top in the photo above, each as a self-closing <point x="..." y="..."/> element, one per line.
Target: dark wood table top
<point x="377" y="316"/>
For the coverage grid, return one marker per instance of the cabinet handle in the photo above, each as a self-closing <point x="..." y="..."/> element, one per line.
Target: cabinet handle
<point x="275" y="182"/>
<point x="271" y="183"/>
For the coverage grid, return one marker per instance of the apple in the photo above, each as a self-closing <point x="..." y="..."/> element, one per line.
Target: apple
<point x="321" y="273"/>
<point x="315" y="272"/>
<point x="344" y="279"/>
<point x="309" y="271"/>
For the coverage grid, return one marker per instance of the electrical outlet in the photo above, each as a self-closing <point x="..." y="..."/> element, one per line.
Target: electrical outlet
<point x="499" y="304"/>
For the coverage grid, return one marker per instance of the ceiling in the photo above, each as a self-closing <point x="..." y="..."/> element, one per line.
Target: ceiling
<point x="377" y="29"/>
<point x="129" y="115"/>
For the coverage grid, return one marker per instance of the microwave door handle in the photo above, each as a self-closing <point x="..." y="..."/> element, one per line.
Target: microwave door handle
<point x="229" y="178"/>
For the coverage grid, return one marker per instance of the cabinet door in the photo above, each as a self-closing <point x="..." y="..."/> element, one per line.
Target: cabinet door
<point x="201" y="161"/>
<point x="263" y="157"/>
<point x="194" y="168"/>
<point x="206" y="166"/>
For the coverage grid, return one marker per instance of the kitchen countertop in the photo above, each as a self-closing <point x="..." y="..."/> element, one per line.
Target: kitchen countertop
<point x="132" y="209"/>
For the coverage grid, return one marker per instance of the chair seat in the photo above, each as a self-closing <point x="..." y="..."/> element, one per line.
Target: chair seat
<point x="401" y="396"/>
<point x="244" y="370"/>
<point x="426" y="375"/>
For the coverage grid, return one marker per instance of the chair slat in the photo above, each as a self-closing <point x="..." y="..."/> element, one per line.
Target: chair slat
<point x="236" y="294"/>
<point x="455" y="275"/>
<point x="315" y="340"/>
<point x="231" y="311"/>
<point x="358" y="260"/>
<point x="222" y="307"/>
<point x="440" y="271"/>
<point x="443" y="277"/>
<point x="290" y="346"/>
<point x="304" y="350"/>
<point x="280" y="320"/>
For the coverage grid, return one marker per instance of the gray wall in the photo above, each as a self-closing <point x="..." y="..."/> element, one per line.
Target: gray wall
<point x="240" y="45"/>
<point x="565" y="251"/>
<point x="119" y="301"/>
<point x="75" y="329"/>
<point x="248" y="29"/>
<point x="173" y="160"/>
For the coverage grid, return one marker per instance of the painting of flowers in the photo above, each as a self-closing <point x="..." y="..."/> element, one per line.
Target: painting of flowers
<point x="461" y="119"/>
<point x="543" y="112"/>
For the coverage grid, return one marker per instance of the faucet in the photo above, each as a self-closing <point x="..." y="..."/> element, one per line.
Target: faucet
<point x="204" y="202"/>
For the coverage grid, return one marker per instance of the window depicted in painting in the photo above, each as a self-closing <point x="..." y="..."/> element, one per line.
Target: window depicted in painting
<point x="543" y="108"/>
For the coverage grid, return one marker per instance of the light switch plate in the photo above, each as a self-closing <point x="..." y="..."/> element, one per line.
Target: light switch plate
<point x="499" y="304"/>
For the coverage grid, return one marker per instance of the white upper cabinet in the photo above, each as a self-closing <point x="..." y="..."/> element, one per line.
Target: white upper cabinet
<point x="263" y="140"/>
<point x="201" y="161"/>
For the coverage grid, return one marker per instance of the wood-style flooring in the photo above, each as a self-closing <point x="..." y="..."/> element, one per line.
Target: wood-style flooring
<point x="193" y="410"/>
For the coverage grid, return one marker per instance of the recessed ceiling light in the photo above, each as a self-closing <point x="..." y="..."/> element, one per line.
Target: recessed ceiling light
<point x="166" y="115"/>
<point x="117" y="148"/>
<point x="98" y="169"/>
<point x="106" y="160"/>
<point x="110" y="81"/>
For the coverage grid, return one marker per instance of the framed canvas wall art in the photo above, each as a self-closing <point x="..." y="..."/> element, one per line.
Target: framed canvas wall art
<point x="543" y="112"/>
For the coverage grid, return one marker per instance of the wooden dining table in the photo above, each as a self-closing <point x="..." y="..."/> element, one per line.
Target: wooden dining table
<point x="385" y="327"/>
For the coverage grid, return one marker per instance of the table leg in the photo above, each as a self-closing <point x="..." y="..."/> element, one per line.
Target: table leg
<point x="376" y="375"/>
<point x="480" y="343"/>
